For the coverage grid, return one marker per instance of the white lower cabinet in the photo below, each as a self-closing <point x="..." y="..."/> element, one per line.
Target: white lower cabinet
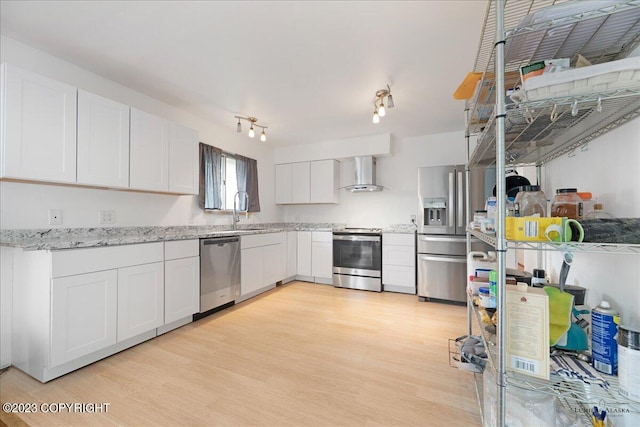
<point x="181" y="288"/>
<point x="83" y="314"/>
<point x="399" y="262"/>
<point x="263" y="262"/>
<point x="292" y="254"/>
<point x="140" y="299"/>
<point x="304" y="253"/>
<point x="315" y="256"/>
<point x="251" y="268"/>
<point x="74" y="307"/>
<point x="181" y="281"/>
<point x="322" y="255"/>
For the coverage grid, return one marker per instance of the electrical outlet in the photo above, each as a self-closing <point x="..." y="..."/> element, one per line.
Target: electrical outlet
<point x="55" y="216"/>
<point x="107" y="217"/>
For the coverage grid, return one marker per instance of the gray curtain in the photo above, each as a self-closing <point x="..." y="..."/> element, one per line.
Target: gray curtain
<point x="210" y="196"/>
<point x="247" y="176"/>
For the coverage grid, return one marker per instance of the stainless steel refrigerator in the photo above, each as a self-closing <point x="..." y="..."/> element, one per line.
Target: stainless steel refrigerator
<point x="442" y="221"/>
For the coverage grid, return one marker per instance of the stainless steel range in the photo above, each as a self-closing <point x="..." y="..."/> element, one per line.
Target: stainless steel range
<point x="357" y="259"/>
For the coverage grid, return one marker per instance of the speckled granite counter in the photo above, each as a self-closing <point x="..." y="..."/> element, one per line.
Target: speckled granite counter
<point x="400" y="228"/>
<point x="69" y="238"/>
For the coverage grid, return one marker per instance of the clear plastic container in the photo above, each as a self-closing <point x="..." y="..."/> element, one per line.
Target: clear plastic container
<point x="567" y="203"/>
<point x="587" y="202"/>
<point x="531" y="201"/>
<point x="598" y="213"/>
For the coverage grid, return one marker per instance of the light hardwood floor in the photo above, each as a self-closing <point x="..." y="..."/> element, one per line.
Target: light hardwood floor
<point x="300" y="355"/>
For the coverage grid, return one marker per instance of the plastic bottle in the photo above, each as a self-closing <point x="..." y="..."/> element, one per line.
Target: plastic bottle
<point x="604" y="328"/>
<point x="598" y="212"/>
<point x="567" y="203"/>
<point x="531" y="201"/>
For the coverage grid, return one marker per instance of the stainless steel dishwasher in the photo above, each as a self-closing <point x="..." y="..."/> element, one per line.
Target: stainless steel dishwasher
<point x="219" y="272"/>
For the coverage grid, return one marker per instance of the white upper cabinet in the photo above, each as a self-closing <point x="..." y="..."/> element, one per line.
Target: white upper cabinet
<point x="300" y="182"/>
<point x="38" y="139"/>
<point x="149" y="152"/>
<point x="324" y="179"/>
<point x="103" y="141"/>
<point x="183" y="160"/>
<point x="283" y="183"/>
<point x="307" y="182"/>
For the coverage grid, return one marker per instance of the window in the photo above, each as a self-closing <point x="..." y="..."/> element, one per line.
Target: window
<point x="222" y="175"/>
<point x="229" y="181"/>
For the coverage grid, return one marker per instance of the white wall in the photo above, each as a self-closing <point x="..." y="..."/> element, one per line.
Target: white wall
<point x="609" y="169"/>
<point x="398" y="173"/>
<point x="25" y="205"/>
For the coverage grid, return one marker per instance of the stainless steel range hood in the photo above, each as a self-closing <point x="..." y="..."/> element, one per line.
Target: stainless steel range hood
<point x="365" y="175"/>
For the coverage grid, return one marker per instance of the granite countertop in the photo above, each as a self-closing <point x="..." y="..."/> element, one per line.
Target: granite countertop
<point x="70" y="238"/>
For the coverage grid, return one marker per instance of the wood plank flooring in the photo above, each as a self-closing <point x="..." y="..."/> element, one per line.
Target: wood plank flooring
<point x="300" y="355"/>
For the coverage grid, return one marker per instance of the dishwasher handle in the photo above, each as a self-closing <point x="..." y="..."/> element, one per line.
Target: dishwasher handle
<point x="221" y="241"/>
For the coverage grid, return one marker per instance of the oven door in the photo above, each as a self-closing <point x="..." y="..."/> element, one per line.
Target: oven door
<point x="357" y="255"/>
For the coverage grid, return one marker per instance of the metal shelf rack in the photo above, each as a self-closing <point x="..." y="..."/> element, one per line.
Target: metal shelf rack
<point x="517" y="33"/>
<point x="572" y="395"/>
<point x="609" y="248"/>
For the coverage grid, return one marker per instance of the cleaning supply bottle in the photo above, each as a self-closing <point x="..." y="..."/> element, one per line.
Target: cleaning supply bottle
<point x="604" y="329"/>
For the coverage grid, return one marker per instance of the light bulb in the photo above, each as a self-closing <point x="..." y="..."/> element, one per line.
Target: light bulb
<point x="381" y="111"/>
<point x="239" y="127"/>
<point x="376" y="117"/>
<point x="263" y="136"/>
<point x="390" y="101"/>
<point x="251" y="132"/>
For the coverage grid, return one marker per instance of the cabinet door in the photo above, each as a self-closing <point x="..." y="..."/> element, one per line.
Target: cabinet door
<point x="274" y="262"/>
<point x="83" y="315"/>
<point x="322" y="260"/>
<point x="38" y="141"/>
<point x="251" y="270"/>
<point x="398" y="255"/>
<point x="103" y="141"/>
<point x="292" y="253"/>
<point x="149" y="152"/>
<point x="304" y="253"/>
<point x="283" y="183"/>
<point x="300" y="182"/>
<point x="140" y="299"/>
<point x="183" y="160"/>
<point x="181" y="288"/>
<point x="324" y="181"/>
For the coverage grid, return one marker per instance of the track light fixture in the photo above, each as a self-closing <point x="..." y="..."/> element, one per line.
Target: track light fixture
<point x="254" y="122"/>
<point x="378" y="103"/>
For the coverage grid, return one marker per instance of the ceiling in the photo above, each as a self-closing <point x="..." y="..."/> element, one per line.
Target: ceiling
<point x="307" y="69"/>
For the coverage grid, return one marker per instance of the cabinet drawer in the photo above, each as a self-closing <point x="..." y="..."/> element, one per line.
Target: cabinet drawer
<point x="256" y="240"/>
<point x="398" y="275"/>
<point x="404" y="239"/>
<point x="181" y="249"/>
<point x="79" y="261"/>
<point x="322" y="236"/>
<point x="398" y="255"/>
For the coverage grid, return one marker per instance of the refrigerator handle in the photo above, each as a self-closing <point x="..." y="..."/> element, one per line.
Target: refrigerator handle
<point x="460" y="202"/>
<point x="450" y="210"/>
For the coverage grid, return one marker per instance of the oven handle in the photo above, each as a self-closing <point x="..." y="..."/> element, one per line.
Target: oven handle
<point x="461" y="260"/>
<point x="357" y="238"/>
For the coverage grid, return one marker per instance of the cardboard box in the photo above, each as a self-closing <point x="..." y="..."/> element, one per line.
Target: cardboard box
<point x="529" y="228"/>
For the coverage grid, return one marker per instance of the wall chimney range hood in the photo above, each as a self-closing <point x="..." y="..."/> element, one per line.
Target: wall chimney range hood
<point x="365" y="175"/>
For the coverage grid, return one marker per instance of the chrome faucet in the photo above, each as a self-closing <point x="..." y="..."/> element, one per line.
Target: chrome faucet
<point x="236" y="216"/>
